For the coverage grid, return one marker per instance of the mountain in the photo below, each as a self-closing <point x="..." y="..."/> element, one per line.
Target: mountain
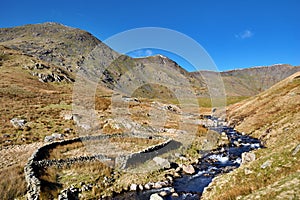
<point x="273" y="117"/>
<point x="74" y="49"/>
<point x="51" y="42"/>
<point x="251" y="81"/>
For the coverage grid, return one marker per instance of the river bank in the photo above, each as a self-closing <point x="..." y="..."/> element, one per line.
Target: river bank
<point x="211" y="164"/>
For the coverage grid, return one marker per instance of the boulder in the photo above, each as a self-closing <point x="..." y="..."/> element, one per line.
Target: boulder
<point x="248" y="157"/>
<point x="157" y="185"/>
<point x="175" y="194"/>
<point x="162" y="162"/>
<point x="155" y="197"/>
<point x="53" y="137"/>
<point x="188" y="169"/>
<point x="147" y="186"/>
<point x="133" y="187"/>
<point x="18" y="123"/>
<point x="163" y="193"/>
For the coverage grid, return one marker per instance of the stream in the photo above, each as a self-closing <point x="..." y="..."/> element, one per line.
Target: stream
<point x="211" y="164"/>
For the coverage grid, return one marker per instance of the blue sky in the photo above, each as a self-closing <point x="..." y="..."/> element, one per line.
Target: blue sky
<point x="235" y="33"/>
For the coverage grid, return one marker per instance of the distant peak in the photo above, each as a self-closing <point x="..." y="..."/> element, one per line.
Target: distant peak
<point x="159" y="55"/>
<point x="52" y="23"/>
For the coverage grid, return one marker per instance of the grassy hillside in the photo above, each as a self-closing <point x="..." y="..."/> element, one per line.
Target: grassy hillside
<point x="273" y="116"/>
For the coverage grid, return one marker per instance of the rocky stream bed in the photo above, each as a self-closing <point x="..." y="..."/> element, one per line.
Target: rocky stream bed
<point x="210" y="165"/>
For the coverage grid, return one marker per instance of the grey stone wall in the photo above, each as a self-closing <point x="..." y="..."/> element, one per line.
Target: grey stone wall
<point x="38" y="158"/>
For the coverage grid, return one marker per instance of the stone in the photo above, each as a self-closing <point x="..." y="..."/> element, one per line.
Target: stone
<point x="248" y="157"/>
<point x="53" y="137"/>
<point x="141" y="187"/>
<point x="163" y="193"/>
<point x="147" y="186"/>
<point x="155" y="197"/>
<point x="236" y="143"/>
<point x="133" y="187"/>
<point x="18" y="123"/>
<point x="183" y="158"/>
<point x="162" y="162"/>
<point x="247" y="171"/>
<point x="175" y="194"/>
<point x="68" y="116"/>
<point x="296" y="150"/>
<point x="157" y="185"/>
<point x="176" y="175"/>
<point x="188" y="169"/>
<point x="170" y="179"/>
<point x="178" y="155"/>
<point x="266" y="164"/>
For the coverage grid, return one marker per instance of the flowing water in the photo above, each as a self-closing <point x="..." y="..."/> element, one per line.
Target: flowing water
<point x="213" y="163"/>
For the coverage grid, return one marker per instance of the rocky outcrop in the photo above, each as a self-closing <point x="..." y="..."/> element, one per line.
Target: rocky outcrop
<point x="164" y="163"/>
<point x="248" y="157"/>
<point x="53" y="137"/>
<point x="18" y="123"/>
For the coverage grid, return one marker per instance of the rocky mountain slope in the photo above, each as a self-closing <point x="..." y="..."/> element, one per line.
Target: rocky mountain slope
<point x="74" y="49"/>
<point x="251" y="81"/>
<point x="51" y="42"/>
<point x="273" y="116"/>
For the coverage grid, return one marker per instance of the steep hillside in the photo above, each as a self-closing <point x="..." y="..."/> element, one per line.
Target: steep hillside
<point x="251" y="81"/>
<point x="50" y="42"/>
<point x="74" y="49"/>
<point x="273" y="116"/>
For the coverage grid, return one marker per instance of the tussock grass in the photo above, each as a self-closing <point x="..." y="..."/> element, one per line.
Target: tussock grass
<point x="55" y="179"/>
<point x="12" y="182"/>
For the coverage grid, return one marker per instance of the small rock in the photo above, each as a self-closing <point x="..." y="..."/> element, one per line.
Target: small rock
<point x="157" y="185"/>
<point x="247" y="171"/>
<point x="141" y="187"/>
<point x="248" y="157"/>
<point x="175" y="194"/>
<point x="163" y="193"/>
<point x="177" y="155"/>
<point x="296" y="150"/>
<point x="169" y="178"/>
<point x="162" y="162"/>
<point x="266" y="164"/>
<point x="176" y="175"/>
<point x="188" y="169"/>
<point x="236" y="143"/>
<point x="155" y="197"/>
<point x="183" y="158"/>
<point x="133" y="187"/>
<point x="147" y="186"/>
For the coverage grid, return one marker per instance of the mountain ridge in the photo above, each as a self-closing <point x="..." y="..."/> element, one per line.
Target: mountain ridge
<point x="70" y="48"/>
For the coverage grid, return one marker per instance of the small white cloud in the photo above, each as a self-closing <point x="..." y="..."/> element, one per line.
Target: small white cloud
<point x="245" y="34"/>
<point x="148" y="52"/>
<point x="142" y="53"/>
